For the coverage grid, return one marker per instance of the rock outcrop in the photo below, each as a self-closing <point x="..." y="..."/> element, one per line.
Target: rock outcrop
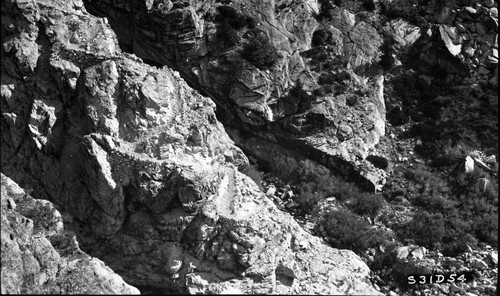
<point x="261" y="61"/>
<point x="144" y="173"/>
<point x="458" y="36"/>
<point x="40" y="257"/>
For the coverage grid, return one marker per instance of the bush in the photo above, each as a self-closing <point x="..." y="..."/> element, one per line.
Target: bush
<point x="327" y="78"/>
<point x="468" y="210"/>
<point x="299" y="97"/>
<point x="352" y="101"/>
<point x="284" y="167"/>
<point x="251" y="22"/>
<point x="320" y="37"/>
<point x="486" y="228"/>
<point x="434" y="203"/>
<point x="315" y="183"/>
<point x="365" y="204"/>
<point x="308" y="197"/>
<point x="426" y="229"/>
<point x="378" y="161"/>
<point x="406" y="9"/>
<point x="369" y="5"/>
<point x="320" y="92"/>
<point x="326" y="9"/>
<point x="347" y="231"/>
<point x="387" y="60"/>
<point x="259" y="51"/>
<point x="254" y="174"/>
<point x="228" y="12"/>
<point x="228" y="35"/>
<point x="456" y="246"/>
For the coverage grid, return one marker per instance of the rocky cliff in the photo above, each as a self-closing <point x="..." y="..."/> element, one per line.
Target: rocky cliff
<point x="305" y="75"/>
<point x="142" y="170"/>
<point x="40" y="257"/>
<point x="275" y="69"/>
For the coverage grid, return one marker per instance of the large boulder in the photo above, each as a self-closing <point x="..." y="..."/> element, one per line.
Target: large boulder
<point x="146" y="176"/>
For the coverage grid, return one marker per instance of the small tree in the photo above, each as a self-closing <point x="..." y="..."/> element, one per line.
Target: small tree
<point x="259" y="50"/>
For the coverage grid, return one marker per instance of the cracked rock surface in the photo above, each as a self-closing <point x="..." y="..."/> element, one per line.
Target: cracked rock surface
<point x="142" y="171"/>
<point x="206" y="40"/>
<point x="40" y="257"/>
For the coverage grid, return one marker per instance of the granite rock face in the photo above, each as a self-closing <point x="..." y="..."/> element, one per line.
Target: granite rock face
<point x="460" y="37"/>
<point x="40" y="257"/>
<point x="260" y="61"/>
<point x="142" y="170"/>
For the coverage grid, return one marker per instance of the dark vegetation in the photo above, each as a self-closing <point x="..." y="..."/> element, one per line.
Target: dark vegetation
<point x="230" y="22"/>
<point x="326" y="7"/>
<point x="369" y="5"/>
<point x="443" y="117"/>
<point x="348" y="231"/>
<point x="411" y="10"/>
<point x="254" y="173"/>
<point x="343" y="228"/>
<point x="297" y="100"/>
<point x="322" y="60"/>
<point x="387" y="60"/>
<point x="455" y="211"/>
<point x="321" y="37"/>
<point x="315" y="183"/>
<point x="259" y="50"/>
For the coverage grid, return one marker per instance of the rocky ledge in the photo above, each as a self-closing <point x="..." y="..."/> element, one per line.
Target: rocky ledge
<point x="142" y="172"/>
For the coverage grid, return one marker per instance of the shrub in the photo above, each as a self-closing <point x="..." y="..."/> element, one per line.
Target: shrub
<point x="345" y="230"/>
<point x="326" y="9"/>
<point x="456" y="246"/>
<point x="434" y="203"/>
<point x="378" y="161"/>
<point x="344" y="190"/>
<point x="367" y="204"/>
<point x="299" y="97"/>
<point x="327" y="78"/>
<point x="228" y="35"/>
<point x="352" y="101"/>
<point x="310" y="172"/>
<point x="426" y="229"/>
<point x="320" y="92"/>
<point x="328" y="89"/>
<point x="251" y="22"/>
<point x="320" y="37"/>
<point x="228" y="12"/>
<point x="284" y="167"/>
<point x="369" y="5"/>
<point x="397" y="191"/>
<point x="259" y="51"/>
<point x="486" y="228"/>
<point x="315" y="182"/>
<point x="308" y="197"/>
<point x="400" y="9"/>
<point x="254" y="174"/>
